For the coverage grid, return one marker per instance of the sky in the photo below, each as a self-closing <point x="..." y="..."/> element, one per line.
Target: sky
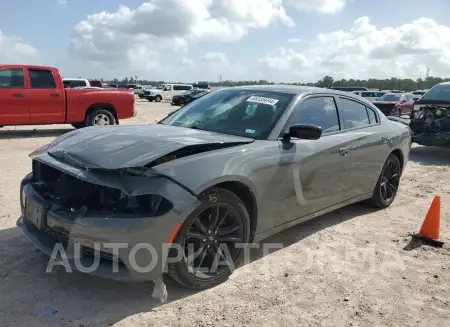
<point x="195" y="40"/>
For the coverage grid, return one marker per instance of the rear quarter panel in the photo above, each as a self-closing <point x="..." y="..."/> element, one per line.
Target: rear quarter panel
<point x="79" y="101"/>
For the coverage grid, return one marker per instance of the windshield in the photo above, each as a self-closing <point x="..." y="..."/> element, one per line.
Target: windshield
<point x="390" y="97"/>
<point x="247" y="113"/>
<point x="439" y="93"/>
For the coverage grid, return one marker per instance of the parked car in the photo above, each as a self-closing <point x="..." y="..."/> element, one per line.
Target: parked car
<point x="200" y="85"/>
<point x="36" y="95"/>
<point x="188" y="97"/>
<point x="140" y="89"/>
<point x="387" y="103"/>
<point x="231" y="168"/>
<point x="418" y="94"/>
<point x="166" y="92"/>
<point x="96" y="83"/>
<point x="369" y="95"/>
<point x="430" y="119"/>
<point x="349" y="88"/>
<point x="405" y="105"/>
<point x="75" y="82"/>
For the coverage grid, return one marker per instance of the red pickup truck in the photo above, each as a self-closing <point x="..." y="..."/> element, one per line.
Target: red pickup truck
<point x="36" y="95"/>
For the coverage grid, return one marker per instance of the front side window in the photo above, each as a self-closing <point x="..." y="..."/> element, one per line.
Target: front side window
<point x="354" y="114"/>
<point x="167" y="88"/>
<point x="247" y="113"/>
<point x="320" y="111"/>
<point x="12" y="78"/>
<point x="41" y="79"/>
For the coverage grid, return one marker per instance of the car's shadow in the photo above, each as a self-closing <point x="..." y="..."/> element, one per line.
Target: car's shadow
<point x="430" y="155"/>
<point x="84" y="299"/>
<point x="11" y="133"/>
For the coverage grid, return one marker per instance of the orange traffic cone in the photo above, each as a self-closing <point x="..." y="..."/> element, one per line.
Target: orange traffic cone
<point x="429" y="232"/>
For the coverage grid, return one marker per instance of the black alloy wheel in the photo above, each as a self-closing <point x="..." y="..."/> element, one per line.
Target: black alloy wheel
<point x="390" y="180"/>
<point x="211" y="239"/>
<point x="388" y="183"/>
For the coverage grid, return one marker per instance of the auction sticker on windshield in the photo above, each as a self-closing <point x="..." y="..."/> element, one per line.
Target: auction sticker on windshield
<point x="262" y="100"/>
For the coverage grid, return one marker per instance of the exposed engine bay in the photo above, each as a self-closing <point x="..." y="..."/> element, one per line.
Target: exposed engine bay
<point x="430" y="125"/>
<point x="76" y="195"/>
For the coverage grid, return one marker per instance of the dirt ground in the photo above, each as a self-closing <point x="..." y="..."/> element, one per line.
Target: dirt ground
<point x="347" y="268"/>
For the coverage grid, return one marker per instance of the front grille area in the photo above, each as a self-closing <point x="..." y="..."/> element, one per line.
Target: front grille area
<point x="80" y="196"/>
<point x="147" y="93"/>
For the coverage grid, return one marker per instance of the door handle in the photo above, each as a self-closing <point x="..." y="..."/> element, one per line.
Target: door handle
<point x="54" y="95"/>
<point x="344" y="151"/>
<point x="18" y="95"/>
<point x="384" y="139"/>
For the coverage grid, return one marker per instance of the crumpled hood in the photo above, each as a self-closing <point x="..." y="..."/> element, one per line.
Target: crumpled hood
<point x="118" y="147"/>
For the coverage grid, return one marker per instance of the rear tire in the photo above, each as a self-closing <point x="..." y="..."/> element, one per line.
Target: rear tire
<point x="386" y="189"/>
<point x="235" y="214"/>
<point x="158" y="98"/>
<point x="100" y="117"/>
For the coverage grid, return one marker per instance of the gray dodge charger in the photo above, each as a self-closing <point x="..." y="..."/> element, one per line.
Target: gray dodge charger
<point x="184" y="196"/>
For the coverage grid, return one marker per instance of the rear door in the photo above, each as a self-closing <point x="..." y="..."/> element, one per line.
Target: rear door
<point x="47" y="102"/>
<point x="13" y="97"/>
<point x="368" y="145"/>
<point x="313" y="174"/>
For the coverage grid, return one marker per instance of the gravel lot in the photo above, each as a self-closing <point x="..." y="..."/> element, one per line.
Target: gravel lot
<point x="347" y="268"/>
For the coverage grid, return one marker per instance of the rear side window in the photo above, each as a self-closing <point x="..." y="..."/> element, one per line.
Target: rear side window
<point x="373" y="119"/>
<point x="12" y="78"/>
<point x="41" y="79"/>
<point x="320" y="111"/>
<point x="354" y="114"/>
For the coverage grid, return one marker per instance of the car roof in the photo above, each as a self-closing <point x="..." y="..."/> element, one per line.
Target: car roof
<point x="294" y="89"/>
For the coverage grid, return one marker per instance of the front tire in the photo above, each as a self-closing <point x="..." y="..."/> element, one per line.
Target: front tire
<point x="386" y="189"/>
<point x="216" y="226"/>
<point x="100" y="117"/>
<point x="158" y="98"/>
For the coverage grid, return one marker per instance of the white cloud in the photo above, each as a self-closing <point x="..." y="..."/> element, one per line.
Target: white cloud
<point x="366" y="51"/>
<point x="135" y="38"/>
<point x="323" y="6"/>
<point x="294" y="40"/>
<point x="62" y="2"/>
<point x="215" y="57"/>
<point x="14" y="50"/>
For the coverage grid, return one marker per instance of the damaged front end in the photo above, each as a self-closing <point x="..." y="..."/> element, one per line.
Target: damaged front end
<point x="103" y="215"/>
<point x="430" y="125"/>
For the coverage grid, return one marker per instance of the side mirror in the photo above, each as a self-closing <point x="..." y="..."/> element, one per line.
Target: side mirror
<point x="304" y="131"/>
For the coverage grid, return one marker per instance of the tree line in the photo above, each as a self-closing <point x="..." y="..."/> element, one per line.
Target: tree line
<point x="403" y="84"/>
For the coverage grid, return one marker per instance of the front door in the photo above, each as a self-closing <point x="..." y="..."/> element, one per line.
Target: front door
<point x="167" y="93"/>
<point x="312" y="174"/>
<point x="48" y="102"/>
<point x="13" y="97"/>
